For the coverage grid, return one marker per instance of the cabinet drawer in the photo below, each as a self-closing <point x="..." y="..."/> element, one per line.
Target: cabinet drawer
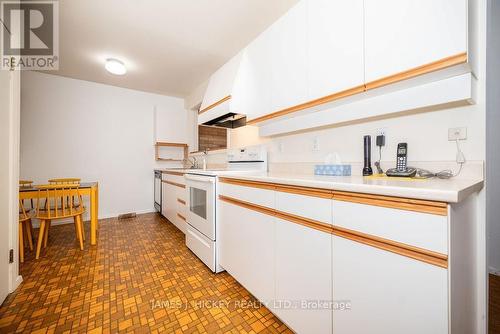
<point x="423" y="230"/>
<point x="259" y="196"/>
<point x="315" y="208"/>
<point x="174" y="178"/>
<point x="181" y="193"/>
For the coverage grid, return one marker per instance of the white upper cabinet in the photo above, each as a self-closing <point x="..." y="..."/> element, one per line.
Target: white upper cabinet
<point x="256" y="77"/>
<point x="289" y="58"/>
<point x="221" y="82"/>
<point x="403" y="34"/>
<point x="335" y="46"/>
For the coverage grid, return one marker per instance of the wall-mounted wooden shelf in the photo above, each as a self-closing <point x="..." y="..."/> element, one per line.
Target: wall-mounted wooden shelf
<point x="185" y="148"/>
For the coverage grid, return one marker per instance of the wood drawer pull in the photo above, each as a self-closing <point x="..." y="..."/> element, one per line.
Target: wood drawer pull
<point x="181" y="201"/>
<point x="181" y="216"/>
<point x="416" y="253"/>
<point x="408" y="204"/>
<point x="175" y="184"/>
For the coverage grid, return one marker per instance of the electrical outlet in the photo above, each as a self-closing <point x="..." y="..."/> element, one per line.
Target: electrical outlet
<point x="281" y="147"/>
<point x="382" y="132"/>
<point x="457" y="133"/>
<point x="315" y="145"/>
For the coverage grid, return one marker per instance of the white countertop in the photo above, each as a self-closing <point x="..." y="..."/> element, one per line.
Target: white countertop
<point x="450" y="191"/>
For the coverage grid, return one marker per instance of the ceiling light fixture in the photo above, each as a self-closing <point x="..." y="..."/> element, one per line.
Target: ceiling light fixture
<point x="115" y="66"/>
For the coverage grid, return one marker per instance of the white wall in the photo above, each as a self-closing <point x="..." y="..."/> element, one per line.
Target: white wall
<point x="493" y="135"/>
<point x="75" y="128"/>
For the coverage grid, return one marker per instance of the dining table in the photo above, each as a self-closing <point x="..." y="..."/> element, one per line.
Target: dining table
<point x="90" y="189"/>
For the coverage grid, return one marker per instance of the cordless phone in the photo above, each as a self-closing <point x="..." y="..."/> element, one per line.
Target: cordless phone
<point x="401" y="157"/>
<point x="402" y="170"/>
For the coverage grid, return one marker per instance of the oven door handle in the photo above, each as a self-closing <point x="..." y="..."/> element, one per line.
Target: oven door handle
<point x="205" y="179"/>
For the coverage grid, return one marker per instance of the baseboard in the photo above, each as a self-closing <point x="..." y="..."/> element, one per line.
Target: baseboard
<point x="17" y="282"/>
<point x="36" y="223"/>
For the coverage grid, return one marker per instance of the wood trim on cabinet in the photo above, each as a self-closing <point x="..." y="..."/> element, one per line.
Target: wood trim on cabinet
<point x="246" y="183"/>
<point x="181" y="216"/>
<point x="408" y="204"/>
<point x="247" y="205"/>
<point x="174" y="184"/>
<point x="416" y="253"/>
<point x="411" y="73"/>
<point x="305" y="191"/>
<point x="215" y="104"/>
<point x="420" y="70"/>
<point x="309" y="104"/>
<point x="311" y="223"/>
<point x="420" y="254"/>
<point x="183" y="202"/>
<point x="174" y="173"/>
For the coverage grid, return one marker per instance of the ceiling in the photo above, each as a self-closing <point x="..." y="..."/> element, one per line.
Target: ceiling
<point x="169" y="47"/>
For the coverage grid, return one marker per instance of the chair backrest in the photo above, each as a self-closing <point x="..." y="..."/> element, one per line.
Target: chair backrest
<point x="61" y="200"/>
<point x="67" y="180"/>
<point x="23" y="214"/>
<point x="25" y="183"/>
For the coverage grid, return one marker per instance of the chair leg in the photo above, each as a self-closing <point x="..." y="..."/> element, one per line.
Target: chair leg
<point x="21" y="243"/>
<point x="40" y="238"/>
<point x="46" y="236"/>
<point x="83" y="228"/>
<point x="78" y="226"/>
<point x="29" y="234"/>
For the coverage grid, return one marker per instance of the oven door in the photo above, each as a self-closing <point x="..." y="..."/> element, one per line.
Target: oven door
<point x="201" y="204"/>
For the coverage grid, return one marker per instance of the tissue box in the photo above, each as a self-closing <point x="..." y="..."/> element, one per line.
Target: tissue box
<point x="335" y="170"/>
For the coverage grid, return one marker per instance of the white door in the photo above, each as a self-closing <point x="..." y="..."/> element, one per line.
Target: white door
<point x="335" y="46"/>
<point x="303" y="278"/>
<point x="246" y="248"/>
<point x="5" y="193"/>
<point x="255" y="88"/>
<point x="289" y="59"/>
<point x="387" y="293"/>
<point x="404" y="34"/>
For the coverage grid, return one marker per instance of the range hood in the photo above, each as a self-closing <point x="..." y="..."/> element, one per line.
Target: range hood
<point x="230" y="120"/>
<point x="221" y="100"/>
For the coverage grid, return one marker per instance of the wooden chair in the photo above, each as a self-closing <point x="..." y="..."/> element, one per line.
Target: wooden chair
<point x="24" y="225"/>
<point x="28" y="224"/>
<point x="61" y="204"/>
<point x="67" y="180"/>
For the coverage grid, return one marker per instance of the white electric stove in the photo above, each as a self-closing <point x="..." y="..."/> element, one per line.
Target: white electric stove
<point x="201" y="233"/>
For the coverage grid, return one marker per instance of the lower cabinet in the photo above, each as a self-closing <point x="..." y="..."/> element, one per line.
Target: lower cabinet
<point x="303" y="278"/>
<point x="170" y="205"/>
<point x="246" y="241"/>
<point x="387" y="293"/>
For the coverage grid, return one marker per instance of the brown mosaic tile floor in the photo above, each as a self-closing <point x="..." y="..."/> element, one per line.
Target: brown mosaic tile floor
<point x="139" y="278"/>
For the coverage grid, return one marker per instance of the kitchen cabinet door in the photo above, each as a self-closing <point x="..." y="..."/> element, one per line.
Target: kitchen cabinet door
<point x="303" y="278"/>
<point x="289" y="58"/>
<point x="335" y="46"/>
<point x="254" y="87"/>
<point x="164" y="192"/>
<point x="388" y="293"/>
<point x="246" y="248"/>
<point x="404" y="34"/>
<point x="169" y="202"/>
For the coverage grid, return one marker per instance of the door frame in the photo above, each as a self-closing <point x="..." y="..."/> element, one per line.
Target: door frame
<point x="11" y="155"/>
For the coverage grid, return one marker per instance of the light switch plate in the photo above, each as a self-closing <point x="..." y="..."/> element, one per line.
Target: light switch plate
<point x="457" y="133"/>
<point x="315" y="145"/>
